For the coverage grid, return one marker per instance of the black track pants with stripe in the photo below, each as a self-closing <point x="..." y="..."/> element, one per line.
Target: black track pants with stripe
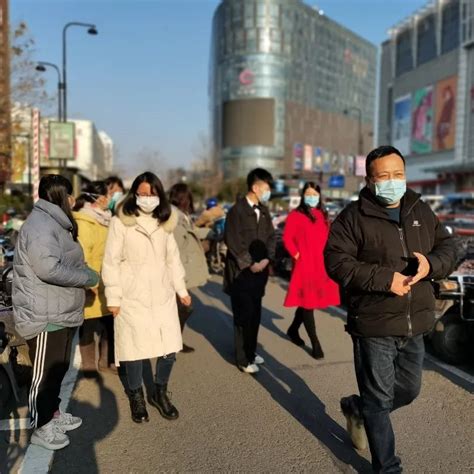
<point x="50" y="353"/>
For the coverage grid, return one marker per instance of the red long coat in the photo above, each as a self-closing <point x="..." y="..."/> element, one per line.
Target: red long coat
<point x="310" y="287"/>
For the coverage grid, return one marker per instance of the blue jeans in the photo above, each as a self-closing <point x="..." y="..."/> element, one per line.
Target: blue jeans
<point x="134" y="371"/>
<point x="388" y="371"/>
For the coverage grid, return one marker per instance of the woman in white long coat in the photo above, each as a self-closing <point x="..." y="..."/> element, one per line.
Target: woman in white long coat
<point x="142" y="273"/>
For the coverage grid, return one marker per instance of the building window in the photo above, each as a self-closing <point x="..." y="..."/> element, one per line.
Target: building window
<point x="248" y="122"/>
<point x="467" y="21"/>
<point x="450" y="26"/>
<point x="426" y="32"/>
<point x="404" y="53"/>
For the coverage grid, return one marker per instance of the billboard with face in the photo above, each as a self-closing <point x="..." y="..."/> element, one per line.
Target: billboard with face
<point x="445" y="124"/>
<point x="422" y="121"/>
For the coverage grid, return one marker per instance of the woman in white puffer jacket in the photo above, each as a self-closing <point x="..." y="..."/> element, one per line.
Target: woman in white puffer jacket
<point x="142" y="273"/>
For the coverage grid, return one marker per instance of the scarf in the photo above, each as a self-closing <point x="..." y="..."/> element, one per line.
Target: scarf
<point x="101" y="216"/>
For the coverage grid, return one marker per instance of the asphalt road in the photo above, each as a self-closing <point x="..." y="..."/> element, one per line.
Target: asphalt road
<point x="285" y="419"/>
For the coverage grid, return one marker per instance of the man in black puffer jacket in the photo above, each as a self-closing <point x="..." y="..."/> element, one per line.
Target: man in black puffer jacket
<point x="385" y="250"/>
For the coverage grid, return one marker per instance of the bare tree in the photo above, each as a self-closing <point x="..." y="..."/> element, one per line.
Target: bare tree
<point x="27" y="86"/>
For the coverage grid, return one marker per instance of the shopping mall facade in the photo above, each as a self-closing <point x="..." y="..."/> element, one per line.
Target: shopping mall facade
<point x="427" y="95"/>
<point x="287" y="88"/>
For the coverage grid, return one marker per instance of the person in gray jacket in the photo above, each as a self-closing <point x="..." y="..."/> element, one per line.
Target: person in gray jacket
<point x="190" y="248"/>
<point x="49" y="277"/>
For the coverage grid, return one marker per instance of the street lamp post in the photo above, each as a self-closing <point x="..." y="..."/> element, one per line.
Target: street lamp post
<point x="92" y="30"/>
<point x="360" y="138"/>
<point x="41" y="66"/>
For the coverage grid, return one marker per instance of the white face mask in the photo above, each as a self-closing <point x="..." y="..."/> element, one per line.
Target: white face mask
<point x="148" y="203"/>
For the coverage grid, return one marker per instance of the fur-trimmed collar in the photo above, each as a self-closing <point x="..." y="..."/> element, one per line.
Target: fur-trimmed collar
<point x="130" y="221"/>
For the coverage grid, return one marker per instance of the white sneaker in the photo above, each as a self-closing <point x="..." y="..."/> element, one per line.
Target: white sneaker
<point x="250" y="369"/>
<point x="67" y="422"/>
<point x="259" y="360"/>
<point x="50" y="436"/>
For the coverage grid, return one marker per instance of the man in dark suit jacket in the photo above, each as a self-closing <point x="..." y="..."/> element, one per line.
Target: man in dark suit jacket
<point x="250" y="239"/>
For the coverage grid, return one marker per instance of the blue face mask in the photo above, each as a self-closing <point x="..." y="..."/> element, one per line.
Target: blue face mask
<point x="389" y="192"/>
<point x="265" y="197"/>
<point x="116" y="197"/>
<point x="311" y="201"/>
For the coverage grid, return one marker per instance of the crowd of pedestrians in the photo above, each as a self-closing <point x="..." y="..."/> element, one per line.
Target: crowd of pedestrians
<point x="120" y="266"/>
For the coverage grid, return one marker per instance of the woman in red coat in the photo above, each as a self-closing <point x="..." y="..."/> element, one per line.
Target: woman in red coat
<point x="305" y="236"/>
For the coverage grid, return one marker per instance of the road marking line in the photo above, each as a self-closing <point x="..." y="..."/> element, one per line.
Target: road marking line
<point x="448" y="368"/>
<point x="37" y="459"/>
<point x="14" y="424"/>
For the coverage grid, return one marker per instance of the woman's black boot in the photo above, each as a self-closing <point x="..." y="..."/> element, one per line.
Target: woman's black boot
<point x="161" y="401"/>
<point x="310" y="326"/>
<point x="294" y="327"/>
<point x="138" y="405"/>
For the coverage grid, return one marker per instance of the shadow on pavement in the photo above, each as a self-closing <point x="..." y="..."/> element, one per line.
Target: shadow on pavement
<point x="98" y="422"/>
<point x="284" y="385"/>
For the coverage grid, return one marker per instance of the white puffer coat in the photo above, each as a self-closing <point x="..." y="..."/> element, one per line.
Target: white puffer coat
<point x="142" y="272"/>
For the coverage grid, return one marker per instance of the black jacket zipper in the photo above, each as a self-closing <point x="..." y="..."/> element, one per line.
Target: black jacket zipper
<point x="406" y="255"/>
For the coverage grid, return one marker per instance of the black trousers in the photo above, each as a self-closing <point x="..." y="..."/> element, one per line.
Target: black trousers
<point x="101" y="330"/>
<point x="50" y="353"/>
<point x="247" y="310"/>
<point x="184" y="312"/>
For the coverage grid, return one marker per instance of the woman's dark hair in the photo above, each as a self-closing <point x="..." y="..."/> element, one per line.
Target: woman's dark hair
<point x="130" y="207"/>
<point x="56" y="189"/>
<point x="381" y="152"/>
<point x="305" y="209"/>
<point x="111" y="180"/>
<point x="182" y="197"/>
<point x="91" y="193"/>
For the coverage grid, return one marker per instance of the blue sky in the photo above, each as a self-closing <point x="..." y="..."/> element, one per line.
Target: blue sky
<point x="144" y="78"/>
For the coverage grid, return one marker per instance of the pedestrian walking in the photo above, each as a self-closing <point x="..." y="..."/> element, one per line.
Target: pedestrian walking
<point x="115" y="191"/>
<point x="49" y="277"/>
<point x="190" y="249"/>
<point x="142" y="273"/>
<point x="96" y="335"/>
<point x="250" y="239"/>
<point x="385" y="250"/>
<point x="305" y="236"/>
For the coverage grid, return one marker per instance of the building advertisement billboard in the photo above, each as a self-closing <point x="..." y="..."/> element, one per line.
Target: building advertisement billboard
<point x="360" y="165"/>
<point x="422" y="121"/>
<point x="445" y="123"/>
<point x="297" y="157"/>
<point x="402" y="124"/>
<point x="308" y="158"/>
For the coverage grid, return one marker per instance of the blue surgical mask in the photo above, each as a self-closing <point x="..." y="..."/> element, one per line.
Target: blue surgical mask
<point x="389" y="192"/>
<point x="311" y="201"/>
<point x="265" y="197"/>
<point x="116" y="197"/>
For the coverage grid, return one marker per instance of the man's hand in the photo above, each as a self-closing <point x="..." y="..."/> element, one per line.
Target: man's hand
<point x="260" y="266"/>
<point x="186" y="300"/>
<point x="115" y="310"/>
<point x="400" y="284"/>
<point x="423" y="269"/>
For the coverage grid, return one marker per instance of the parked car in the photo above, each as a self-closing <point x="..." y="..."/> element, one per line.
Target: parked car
<point x="452" y="336"/>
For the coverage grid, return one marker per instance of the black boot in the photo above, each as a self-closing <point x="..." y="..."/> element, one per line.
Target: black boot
<point x="293" y="329"/>
<point x="310" y="326"/>
<point x="161" y="401"/>
<point x="187" y="349"/>
<point x="138" y="405"/>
